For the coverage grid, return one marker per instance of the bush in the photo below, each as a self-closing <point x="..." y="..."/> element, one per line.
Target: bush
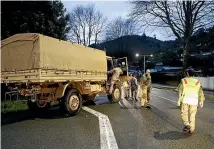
<point x="12" y="106"/>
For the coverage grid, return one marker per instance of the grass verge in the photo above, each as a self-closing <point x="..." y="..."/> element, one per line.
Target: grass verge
<point x="13" y="106"/>
<point x="173" y="90"/>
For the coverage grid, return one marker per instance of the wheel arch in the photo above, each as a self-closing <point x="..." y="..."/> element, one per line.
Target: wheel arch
<point x="63" y="88"/>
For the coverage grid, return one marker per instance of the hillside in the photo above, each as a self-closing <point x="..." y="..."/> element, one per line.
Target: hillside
<point x="130" y="45"/>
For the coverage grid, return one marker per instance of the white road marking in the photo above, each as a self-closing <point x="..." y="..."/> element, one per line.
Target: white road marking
<point x="120" y="104"/>
<point x="107" y="138"/>
<point x="164" y="90"/>
<point x="164" y="98"/>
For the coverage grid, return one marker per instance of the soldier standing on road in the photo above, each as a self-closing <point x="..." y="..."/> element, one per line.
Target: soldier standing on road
<point x="190" y="93"/>
<point x="134" y="86"/>
<point x="116" y="72"/>
<point x="145" y="85"/>
<point x="143" y="91"/>
<point x="149" y="86"/>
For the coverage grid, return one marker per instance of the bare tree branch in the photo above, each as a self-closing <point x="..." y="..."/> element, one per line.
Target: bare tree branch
<point x="120" y="27"/>
<point x="182" y="17"/>
<point x="85" y="23"/>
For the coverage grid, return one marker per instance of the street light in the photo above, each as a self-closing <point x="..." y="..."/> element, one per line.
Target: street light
<point x="144" y="56"/>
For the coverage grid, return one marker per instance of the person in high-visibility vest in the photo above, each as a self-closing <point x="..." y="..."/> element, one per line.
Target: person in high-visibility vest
<point x="190" y="94"/>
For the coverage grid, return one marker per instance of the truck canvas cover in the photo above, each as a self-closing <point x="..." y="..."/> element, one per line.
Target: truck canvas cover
<point x="38" y="58"/>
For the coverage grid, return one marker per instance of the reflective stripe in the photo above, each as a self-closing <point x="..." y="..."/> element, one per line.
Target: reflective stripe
<point x="185" y="81"/>
<point x="197" y="83"/>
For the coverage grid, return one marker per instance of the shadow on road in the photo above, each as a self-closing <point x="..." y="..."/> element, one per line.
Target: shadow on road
<point x="89" y="103"/>
<point x="174" y="108"/>
<point x="171" y="135"/>
<point x="19" y="116"/>
<point x="53" y="113"/>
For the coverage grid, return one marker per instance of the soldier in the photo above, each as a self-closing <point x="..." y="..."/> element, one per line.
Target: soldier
<point x="116" y="72"/>
<point x="134" y="86"/>
<point x="143" y="91"/>
<point x="190" y="93"/>
<point x="149" y="87"/>
<point x="145" y="85"/>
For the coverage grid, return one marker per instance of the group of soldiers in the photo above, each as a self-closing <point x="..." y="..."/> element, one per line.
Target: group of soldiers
<point x="190" y="94"/>
<point x="133" y="89"/>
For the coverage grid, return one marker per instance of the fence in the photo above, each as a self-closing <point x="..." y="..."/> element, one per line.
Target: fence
<point x="207" y="82"/>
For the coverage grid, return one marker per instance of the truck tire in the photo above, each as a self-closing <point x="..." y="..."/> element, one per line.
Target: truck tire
<point x="116" y="95"/>
<point x="71" y="104"/>
<point x="34" y="106"/>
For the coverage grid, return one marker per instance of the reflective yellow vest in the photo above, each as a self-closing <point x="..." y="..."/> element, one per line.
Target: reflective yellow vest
<point x="191" y="87"/>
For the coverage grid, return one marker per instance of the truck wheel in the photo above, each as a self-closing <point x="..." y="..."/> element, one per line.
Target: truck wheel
<point x="116" y="95"/>
<point x="72" y="103"/>
<point x="36" y="106"/>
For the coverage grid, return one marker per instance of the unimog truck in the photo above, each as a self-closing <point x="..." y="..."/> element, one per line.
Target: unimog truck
<point x="46" y="69"/>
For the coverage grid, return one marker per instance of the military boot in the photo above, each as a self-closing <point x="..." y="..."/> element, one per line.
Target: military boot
<point x="186" y="128"/>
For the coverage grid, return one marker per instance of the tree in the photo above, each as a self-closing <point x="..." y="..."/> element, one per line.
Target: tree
<point x="203" y="40"/>
<point x="45" y="17"/>
<point x="120" y="27"/>
<point x="182" y="17"/>
<point x="85" y="22"/>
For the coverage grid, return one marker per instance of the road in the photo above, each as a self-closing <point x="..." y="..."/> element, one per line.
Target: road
<point x="132" y="128"/>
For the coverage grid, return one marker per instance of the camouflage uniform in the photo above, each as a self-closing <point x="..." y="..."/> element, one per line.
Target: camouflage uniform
<point x="190" y="91"/>
<point x="143" y="91"/>
<point x="116" y="72"/>
<point x="149" y="87"/>
<point x="145" y="85"/>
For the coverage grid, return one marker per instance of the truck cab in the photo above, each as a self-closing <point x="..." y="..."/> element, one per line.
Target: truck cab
<point x="118" y="62"/>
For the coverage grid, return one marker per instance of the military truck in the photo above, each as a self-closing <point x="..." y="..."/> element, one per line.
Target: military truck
<point x="46" y="69"/>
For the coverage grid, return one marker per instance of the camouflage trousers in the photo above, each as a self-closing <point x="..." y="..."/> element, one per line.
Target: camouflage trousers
<point x="145" y="97"/>
<point x="148" y="95"/>
<point x="134" y="94"/>
<point x="188" y="113"/>
<point x="111" y="87"/>
<point x="128" y="92"/>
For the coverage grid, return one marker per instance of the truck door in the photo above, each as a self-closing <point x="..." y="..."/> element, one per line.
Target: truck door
<point x="122" y="63"/>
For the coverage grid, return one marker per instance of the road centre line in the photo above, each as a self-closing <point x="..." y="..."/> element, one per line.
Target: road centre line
<point x="107" y="138"/>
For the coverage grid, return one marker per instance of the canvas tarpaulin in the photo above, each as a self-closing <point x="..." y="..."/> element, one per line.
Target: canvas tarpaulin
<point x="35" y="51"/>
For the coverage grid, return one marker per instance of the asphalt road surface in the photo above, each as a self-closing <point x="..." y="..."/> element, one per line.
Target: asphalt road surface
<point x="106" y="125"/>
